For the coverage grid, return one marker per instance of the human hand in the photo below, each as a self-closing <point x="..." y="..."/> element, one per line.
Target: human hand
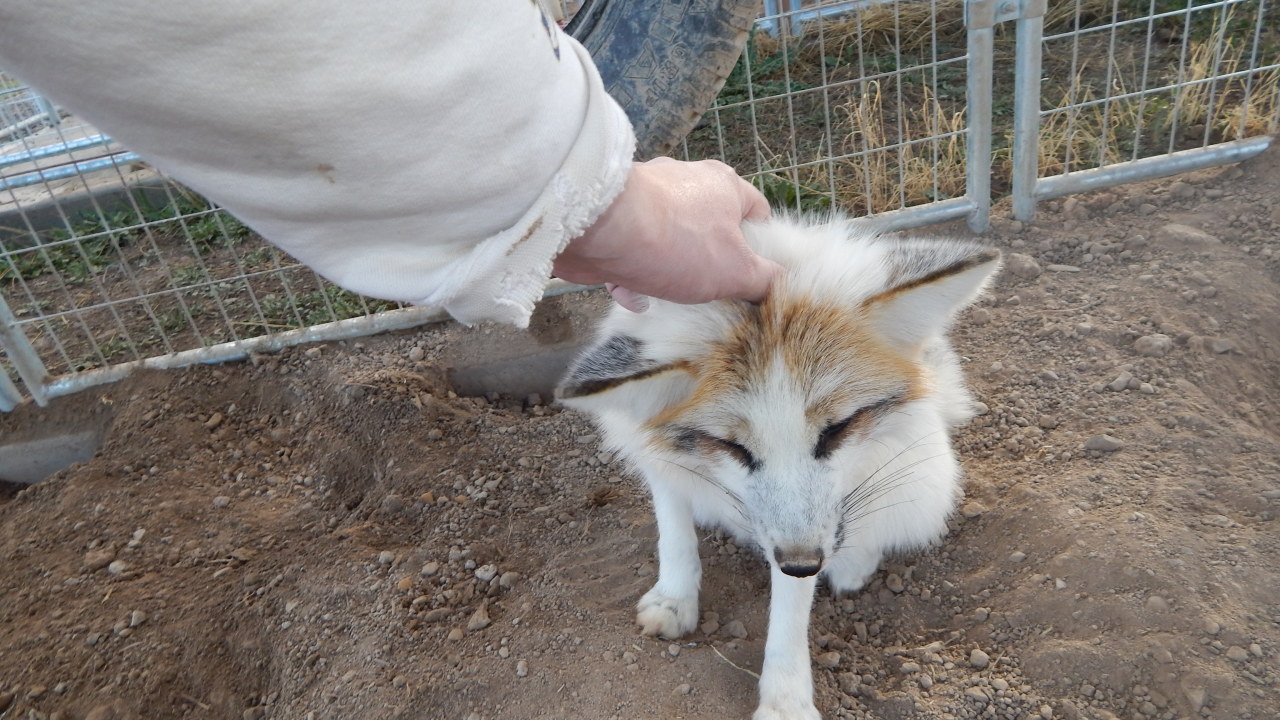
<point x="674" y="233"/>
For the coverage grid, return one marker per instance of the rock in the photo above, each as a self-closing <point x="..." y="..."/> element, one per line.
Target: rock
<point x="1153" y="345"/>
<point x="1103" y="443"/>
<point x="1221" y="346"/>
<point x="1017" y="556"/>
<point x="118" y="567"/>
<point x="137" y="617"/>
<point x="1023" y="266"/>
<point x="456" y="634"/>
<point x="735" y="629"/>
<point x="416" y="353"/>
<point x="683" y="689"/>
<point x="977" y="694"/>
<point x="430" y="569"/>
<point x="485" y="573"/>
<point x="981" y="614"/>
<point x="1178" y="233"/>
<point x="479" y="619"/>
<point x="1157" y="604"/>
<point x="436" y="615"/>
<point x="1212" y="627"/>
<point x="386" y="558"/>
<point x="979" y="659"/>
<point x="1121" y="382"/>
<point x="392" y="505"/>
<point x="894" y="583"/>
<point x="254" y="713"/>
<point x="221" y="501"/>
<point x="828" y="660"/>
<point x="973" y="510"/>
<point x="509" y="579"/>
<point x="101" y="712"/>
<point x="1237" y="653"/>
<point x="95" y="560"/>
<point x="1000" y="684"/>
<point x="1062" y="268"/>
<point x="214" y="421"/>
<point x="673" y="650"/>
<point x="522" y="668"/>
<point x="909" y="668"/>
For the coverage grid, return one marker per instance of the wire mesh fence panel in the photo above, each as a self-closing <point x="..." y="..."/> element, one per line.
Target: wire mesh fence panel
<point x="1124" y="81"/>
<point x="859" y="105"/>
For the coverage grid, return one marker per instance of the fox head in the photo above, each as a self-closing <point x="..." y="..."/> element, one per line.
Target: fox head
<point x="808" y="412"/>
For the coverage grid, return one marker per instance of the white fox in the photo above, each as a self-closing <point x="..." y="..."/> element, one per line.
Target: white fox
<point x="814" y="425"/>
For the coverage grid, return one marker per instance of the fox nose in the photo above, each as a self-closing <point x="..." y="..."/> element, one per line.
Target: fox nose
<point x="799" y="562"/>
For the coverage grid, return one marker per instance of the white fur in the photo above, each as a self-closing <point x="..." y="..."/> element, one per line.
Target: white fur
<point x="903" y="466"/>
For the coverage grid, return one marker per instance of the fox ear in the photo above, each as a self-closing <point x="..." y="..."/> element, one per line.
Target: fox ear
<point x="930" y="282"/>
<point x="616" y="375"/>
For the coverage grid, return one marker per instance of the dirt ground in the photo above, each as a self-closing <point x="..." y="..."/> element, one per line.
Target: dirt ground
<point x="330" y="533"/>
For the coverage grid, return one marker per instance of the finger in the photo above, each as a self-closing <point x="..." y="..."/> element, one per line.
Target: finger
<point x="633" y="301"/>
<point x="755" y="207"/>
<point x="759" y="280"/>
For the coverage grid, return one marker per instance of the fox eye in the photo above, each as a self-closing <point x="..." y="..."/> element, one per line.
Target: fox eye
<point x="830" y="438"/>
<point x="739" y="453"/>
<point x="692" y="441"/>
<point x="833" y="435"/>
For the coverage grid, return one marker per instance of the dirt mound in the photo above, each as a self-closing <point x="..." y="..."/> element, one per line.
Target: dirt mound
<point x="331" y="533"/>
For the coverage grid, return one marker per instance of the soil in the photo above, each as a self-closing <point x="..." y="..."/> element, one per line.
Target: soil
<point x="331" y="532"/>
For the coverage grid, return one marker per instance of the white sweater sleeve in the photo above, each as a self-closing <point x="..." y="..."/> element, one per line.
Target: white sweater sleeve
<point x="430" y="151"/>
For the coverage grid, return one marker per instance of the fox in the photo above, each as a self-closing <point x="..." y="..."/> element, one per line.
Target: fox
<point x="814" y="426"/>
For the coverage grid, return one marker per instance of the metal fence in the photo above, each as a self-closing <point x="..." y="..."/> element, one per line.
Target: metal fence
<point x="916" y="111"/>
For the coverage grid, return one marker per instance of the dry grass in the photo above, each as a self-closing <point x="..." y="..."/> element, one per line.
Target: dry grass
<point x="1093" y="131"/>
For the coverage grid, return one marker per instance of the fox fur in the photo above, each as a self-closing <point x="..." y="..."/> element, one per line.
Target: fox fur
<point x="814" y="425"/>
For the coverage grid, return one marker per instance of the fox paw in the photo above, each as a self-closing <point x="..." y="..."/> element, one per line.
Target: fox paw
<point x="668" y="617"/>
<point x="777" y="711"/>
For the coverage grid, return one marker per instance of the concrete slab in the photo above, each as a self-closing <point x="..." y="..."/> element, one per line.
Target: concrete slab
<point x="30" y="461"/>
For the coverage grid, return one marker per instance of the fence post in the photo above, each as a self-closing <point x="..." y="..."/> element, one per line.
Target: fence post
<point x="979" y="19"/>
<point x="1026" y="108"/>
<point x="24" y="357"/>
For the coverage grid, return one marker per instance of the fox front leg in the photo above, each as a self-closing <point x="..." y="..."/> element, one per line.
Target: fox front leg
<point x="670" y="608"/>
<point x="786" y="680"/>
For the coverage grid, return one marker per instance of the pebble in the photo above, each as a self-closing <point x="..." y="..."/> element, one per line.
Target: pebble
<point x="1237" y="653"/>
<point x="1062" y="268"/>
<point x="1212" y="627"/>
<point x="1153" y="345"/>
<point x="386" y="557"/>
<point x="1256" y="649"/>
<point x="1017" y="556"/>
<point x="509" y="579"/>
<point x="430" y="568"/>
<point x="894" y="583"/>
<point x="973" y="510"/>
<point x="736" y="629"/>
<point x="221" y="501"/>
<point x="977" y="693"/>
<point x="479" y="619"/>
<point x="828" y="660"/>
<point x="98" y="559"/>
<point x="214" y="421"/>
<point x="910" y="667"/>
<point x="1121" y="382"/>
<point x="1157" y="603"/>
<point x="254" y="713"/>
<point x="522" y="668"/>
<point x="416" y="353"/>
<point x="979" y="659"/>
<point x="684" y="689"/>
<point x="1023" y="266"/>
<point x="1176" y="232"/>
<point x="925" y="681"/>
<point x="456" y="634"/>
<point x="981" y="614"/>
<point x="1103" y="443"/>
<point x="137" y="617"/>
<point x="1000" y="684"/>
<point x="101" y="712"/>
<point x="673" y="650"/>
<point x="485" y="573"/>
<point x="118" y="567"/>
